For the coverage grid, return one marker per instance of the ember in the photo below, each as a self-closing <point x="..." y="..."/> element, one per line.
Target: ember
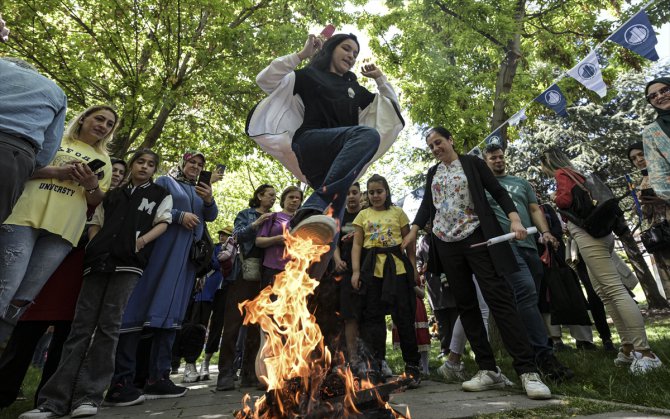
<point x="294" y="362"/>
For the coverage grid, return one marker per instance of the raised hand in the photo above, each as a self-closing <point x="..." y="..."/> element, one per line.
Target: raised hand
<point x="371" y="71"/>
<point x="312" y="45"/>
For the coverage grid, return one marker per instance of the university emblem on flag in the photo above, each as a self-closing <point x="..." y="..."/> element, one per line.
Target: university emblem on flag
<point x="636" y="34"/>
<point x="553" y="97"/>
<point x="587" y="71"/>
<point x="495" y="140"/>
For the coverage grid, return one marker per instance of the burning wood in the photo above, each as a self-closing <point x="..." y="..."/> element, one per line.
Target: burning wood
<point x="294" y="362"/>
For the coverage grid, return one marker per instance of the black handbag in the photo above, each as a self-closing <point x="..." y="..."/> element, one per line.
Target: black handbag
<point x="656" y="237"/>
<point x="201" y="253"/>
<point x="566" y="299"/>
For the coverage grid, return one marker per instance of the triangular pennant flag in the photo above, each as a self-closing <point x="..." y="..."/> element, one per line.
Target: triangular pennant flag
<point x="638" y="36"/>
<point x="476" y="152"/>
<point x="496" y="137"/>
<point x="553" y="98"/>
<point x="518" y="117"/>
<point x="587" y="72"/>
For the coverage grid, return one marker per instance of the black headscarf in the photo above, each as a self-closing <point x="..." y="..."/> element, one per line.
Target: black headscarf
<point x="663" y="118"/>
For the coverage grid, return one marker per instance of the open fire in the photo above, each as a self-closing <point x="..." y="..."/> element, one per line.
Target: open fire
<point x="293" y="360"/>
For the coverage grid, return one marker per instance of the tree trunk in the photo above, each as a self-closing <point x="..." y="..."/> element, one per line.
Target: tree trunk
<point x="654" y="298"/>
<point x="507" y="72"/>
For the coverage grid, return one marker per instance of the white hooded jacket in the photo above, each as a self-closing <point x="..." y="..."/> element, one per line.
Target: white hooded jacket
<point x="274" y="121"/>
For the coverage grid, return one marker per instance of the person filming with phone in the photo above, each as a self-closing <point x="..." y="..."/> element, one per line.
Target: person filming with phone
<point x="162" y="294"/>
<point x="49" y="217"/>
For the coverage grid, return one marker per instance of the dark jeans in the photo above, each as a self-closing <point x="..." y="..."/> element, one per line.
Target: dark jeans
<point x="16" y="357"/>
<point x="216" y="320"/>
<point x="523" y="283"/>
<point x="87" y="362"/>
<point x="17" y="159"/>
<point x="595" y="303"/>
<point x="238" y="291"/>
<point x="373" y="323"/>
<point x="332" y="159"/>
<point x="460" y="262"/>
<point x="160" y="356"/>
<point x="446" y="318"/>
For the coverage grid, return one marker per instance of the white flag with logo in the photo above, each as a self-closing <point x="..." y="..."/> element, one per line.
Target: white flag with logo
<point x="518" y="117"/>
<point x="587" y="72"/>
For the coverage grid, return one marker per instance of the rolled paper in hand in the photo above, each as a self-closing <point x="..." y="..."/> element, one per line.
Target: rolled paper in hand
<point x="503" y="238"/>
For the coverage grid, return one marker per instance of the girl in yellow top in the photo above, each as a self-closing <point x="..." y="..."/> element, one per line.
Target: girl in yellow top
<point x="49" y="217"/>
<point x="384" y="275"/>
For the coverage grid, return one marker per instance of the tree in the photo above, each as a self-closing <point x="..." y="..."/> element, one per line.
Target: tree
<point x="181" y="70"/>
<point x="469" y="65"/>
<point x="597" y="135"/>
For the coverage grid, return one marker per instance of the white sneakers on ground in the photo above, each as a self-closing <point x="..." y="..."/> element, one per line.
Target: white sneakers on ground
<point x="623" y="360"/>
<point x="320" y="228"/>
<point x="535" y="388"/>
<point x="204" y="370"/>
<point x="642" y="364"/>
<point x="191" y="374"/>
<point x="489" y="380"/>
<point x="452" y="372"/>
<point x="484" y="380"/>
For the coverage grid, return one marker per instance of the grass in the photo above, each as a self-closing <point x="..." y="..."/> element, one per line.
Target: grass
<point x="596" y="376"/>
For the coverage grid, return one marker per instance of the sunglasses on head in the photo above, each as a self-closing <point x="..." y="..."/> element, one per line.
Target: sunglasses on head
<point x="660" y="92"/>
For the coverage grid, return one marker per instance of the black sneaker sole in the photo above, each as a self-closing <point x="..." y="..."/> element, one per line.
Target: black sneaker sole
<point x="139" y="400"/>
<point x="165" y="396"/>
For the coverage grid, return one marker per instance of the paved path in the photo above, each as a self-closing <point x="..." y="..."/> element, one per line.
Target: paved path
<point x="431" y="400"/>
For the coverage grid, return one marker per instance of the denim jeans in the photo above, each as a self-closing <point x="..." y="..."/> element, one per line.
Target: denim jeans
<point x="332" y="159"/>
<point x="87" y="362"/>
<point x="525" y="294"/>
<point x="28" y="257"/>
<point x="160" y="357"/>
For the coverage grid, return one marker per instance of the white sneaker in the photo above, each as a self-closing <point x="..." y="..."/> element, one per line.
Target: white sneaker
<point x="39" y="413"/>
<point x="190" y="374"/>
<point x="623" y="360"/>
<point x="84" y="410"/>
<point x="484" y="380"/>
<point x="320" y="228"/>
<point x="643" y="364"/>
<point x="204" y="371"/>
<point x="535" y="388"/>
<point x="452" y="372"/>
<point x="386" y="370"/>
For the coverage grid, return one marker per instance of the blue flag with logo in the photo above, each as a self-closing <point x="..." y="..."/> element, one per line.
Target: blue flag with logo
<point x="554" y="98"/>
<point x="496" y="137"/>
<point x="638" y="36"/>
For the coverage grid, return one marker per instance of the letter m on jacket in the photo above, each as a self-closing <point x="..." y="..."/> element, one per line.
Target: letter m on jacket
<point x="147" y="206"/>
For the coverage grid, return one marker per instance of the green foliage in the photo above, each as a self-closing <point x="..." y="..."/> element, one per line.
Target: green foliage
<point x="469" y="65"/>
<point x="179" y="71"/>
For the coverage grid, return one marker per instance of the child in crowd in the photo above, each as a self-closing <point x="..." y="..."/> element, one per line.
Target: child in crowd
<point x="385" y="276"/>
<point x="123" y="228"/>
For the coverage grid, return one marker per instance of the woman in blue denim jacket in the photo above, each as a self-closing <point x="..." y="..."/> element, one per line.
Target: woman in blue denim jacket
<point x="247" y="223"/>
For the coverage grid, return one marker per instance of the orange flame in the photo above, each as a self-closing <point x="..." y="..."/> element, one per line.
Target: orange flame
<point x="293" y="359"/>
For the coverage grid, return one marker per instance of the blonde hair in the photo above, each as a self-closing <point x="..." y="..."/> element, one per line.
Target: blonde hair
<point x="554" y="159"/>
<point x="73" y="128"/>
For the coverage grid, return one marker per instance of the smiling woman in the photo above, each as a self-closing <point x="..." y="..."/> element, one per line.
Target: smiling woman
<point x="656" y="137"/>
<point x="326" y="126"/>
<point x="36" y="233"/>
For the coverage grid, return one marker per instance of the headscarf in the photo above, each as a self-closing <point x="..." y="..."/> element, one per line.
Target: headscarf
<point x="178" y="172"/>
<point x="663" y="118"/>
<point x="635" y="146"/>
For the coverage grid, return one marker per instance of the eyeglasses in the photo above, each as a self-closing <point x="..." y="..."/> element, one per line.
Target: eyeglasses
<point x="663" y="91"/>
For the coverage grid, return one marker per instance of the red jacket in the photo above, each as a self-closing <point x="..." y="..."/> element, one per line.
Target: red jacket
<point x="564" y="185"/>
